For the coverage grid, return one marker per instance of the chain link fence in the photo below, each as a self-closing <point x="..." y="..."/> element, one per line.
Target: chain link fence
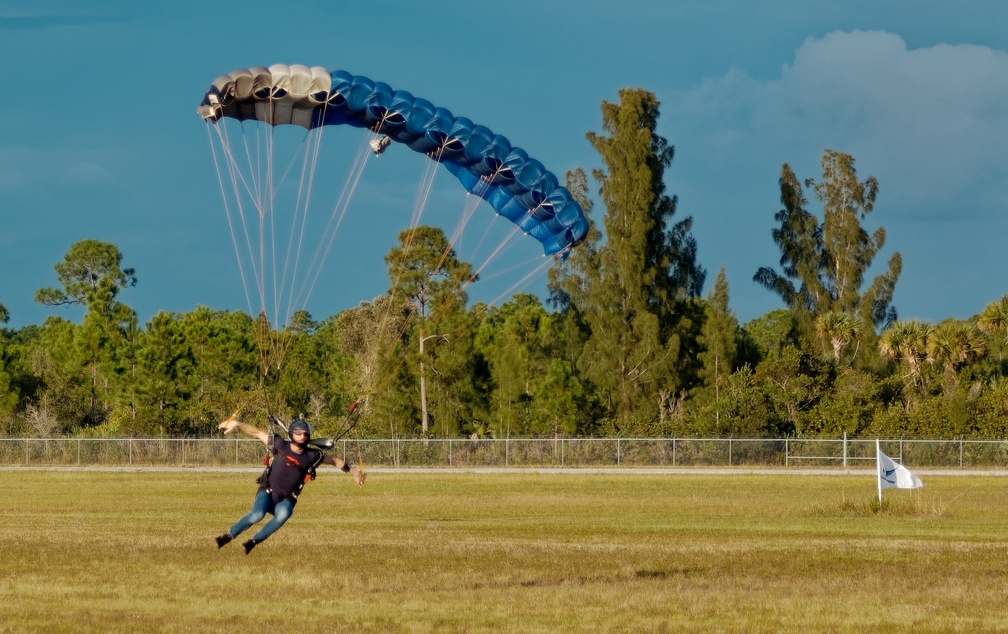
<point x="518" y="452"/>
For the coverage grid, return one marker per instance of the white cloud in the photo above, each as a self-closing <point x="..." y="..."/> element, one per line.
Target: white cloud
<point x="930" y="123"/>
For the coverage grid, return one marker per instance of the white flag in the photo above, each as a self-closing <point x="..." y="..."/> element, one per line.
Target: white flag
<point x="892" y="475"/>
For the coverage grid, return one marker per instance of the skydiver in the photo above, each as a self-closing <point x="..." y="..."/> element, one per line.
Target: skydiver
<point x="292" y="465"/>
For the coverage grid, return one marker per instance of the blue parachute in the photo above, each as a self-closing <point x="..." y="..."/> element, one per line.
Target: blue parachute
<point x="516" y="186"/>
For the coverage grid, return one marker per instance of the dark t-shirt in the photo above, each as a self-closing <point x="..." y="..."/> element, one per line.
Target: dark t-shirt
<point x="290" y="470"/>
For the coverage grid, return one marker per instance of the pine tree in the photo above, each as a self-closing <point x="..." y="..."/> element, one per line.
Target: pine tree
<point x="91" y="276"/>
<point x="634" y="292"/>
<point x="718" y="335"/>
<point x="425" y="271"/>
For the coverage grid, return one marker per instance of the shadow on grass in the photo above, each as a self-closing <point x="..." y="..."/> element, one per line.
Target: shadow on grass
<point x="637" y="575"/>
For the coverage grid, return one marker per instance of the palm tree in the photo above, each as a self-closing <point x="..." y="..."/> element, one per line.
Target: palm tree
<point x="953" y="344"/>
<point x="994" y="319"/>
<point x="839" y="328"/>
<point x="907" y="341"/>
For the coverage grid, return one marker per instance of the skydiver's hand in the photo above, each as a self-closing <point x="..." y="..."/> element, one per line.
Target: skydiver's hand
<point x="358" y="475"/>
<point x="229" y="425"/>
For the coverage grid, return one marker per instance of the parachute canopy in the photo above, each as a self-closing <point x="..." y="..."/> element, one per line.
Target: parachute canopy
<point x="516" y="186"/>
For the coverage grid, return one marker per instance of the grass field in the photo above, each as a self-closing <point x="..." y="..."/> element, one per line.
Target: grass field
<point x="132" y="551"/>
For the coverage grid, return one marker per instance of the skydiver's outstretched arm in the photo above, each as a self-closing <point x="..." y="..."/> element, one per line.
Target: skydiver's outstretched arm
<point x="232" y="424"/>
<point x="339" y="463"/>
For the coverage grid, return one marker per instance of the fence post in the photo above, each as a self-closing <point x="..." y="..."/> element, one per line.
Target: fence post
<point x="617" y="452"/>
<point x="845" y="450"/>
<point x="786" y="451"/>
<point x="960" y="453"/>
<point x="26" y="451"/>
<point x="78" y="452"/>
<point x="729" y="452"/>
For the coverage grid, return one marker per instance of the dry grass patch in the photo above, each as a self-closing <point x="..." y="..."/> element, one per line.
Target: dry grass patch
<point x="132" y="551"/>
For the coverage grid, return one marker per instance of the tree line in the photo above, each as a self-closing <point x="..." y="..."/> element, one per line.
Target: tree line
<point x="625" y="344"/>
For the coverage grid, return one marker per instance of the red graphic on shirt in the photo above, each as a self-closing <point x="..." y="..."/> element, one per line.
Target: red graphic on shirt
<point x="291" y="461"/>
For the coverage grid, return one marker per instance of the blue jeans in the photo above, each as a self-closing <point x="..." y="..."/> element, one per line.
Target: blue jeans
<point x="262" y="505"/>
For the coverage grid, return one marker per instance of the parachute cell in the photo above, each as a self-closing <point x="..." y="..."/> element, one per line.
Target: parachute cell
<point x="486" y="164"/>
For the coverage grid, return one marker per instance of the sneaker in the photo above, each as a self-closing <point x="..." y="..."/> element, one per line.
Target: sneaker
<point x="223" y="539"/>
<point x="249" y="545"/>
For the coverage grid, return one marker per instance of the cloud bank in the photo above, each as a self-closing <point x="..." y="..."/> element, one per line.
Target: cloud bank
<point x="930" y="123"/>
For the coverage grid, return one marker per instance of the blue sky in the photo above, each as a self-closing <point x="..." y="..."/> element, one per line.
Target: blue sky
<point x="99" y="137"/>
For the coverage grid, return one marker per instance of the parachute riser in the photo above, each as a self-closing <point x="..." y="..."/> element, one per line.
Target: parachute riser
<point x="353" y="418"/>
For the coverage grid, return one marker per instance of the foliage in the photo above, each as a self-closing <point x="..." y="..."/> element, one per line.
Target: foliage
<point x="823" y="264"/>
<point x="738" y="408"/>
<point x="718" y="335"/>
<point x="90" y="272"/>
<point x="426" y="273"/>
<point x="627" y="348"/>
<point x="633" y="291"/>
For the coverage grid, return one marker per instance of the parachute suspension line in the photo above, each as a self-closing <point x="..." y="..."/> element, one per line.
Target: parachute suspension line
<point x="419" y="204"/>
<point x="255" y="182"/>
<point x="276" y="339"/>
<point x="424" y="190"/>
<point x="248" y="186"/>
<point x="468" y="211"/>
<point x="471" y="204"/>
<point x="336" y="217"/>
<point x="474" y="199"/>
<point x="227" y="212"/>
<point x="523" y="281"/>
<point x="307" y="174"/>
<point x="517" y="266"/>
<point x="234" y="175"/>
<point x="251" y="187"/>
<point x="238" y="184"/>
<point x="308" y="168"/>
<point x="268" y="210"/>
<point x="507" y="242"/>
<point x="272" y="323"/>
<point x="292" y="257"/>
<point x="281" y="267"/>
<point x="267" y="250"/>
<point x="298" y="227"/>
<point x="467" y="214"/>
<point x="255" y="187"/>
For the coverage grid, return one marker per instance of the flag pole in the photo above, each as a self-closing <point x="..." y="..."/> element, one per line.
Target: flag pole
<point x="878" y="472"/>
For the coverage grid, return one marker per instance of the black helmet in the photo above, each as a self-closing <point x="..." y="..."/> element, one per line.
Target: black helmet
<point x="300" y="424"/>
